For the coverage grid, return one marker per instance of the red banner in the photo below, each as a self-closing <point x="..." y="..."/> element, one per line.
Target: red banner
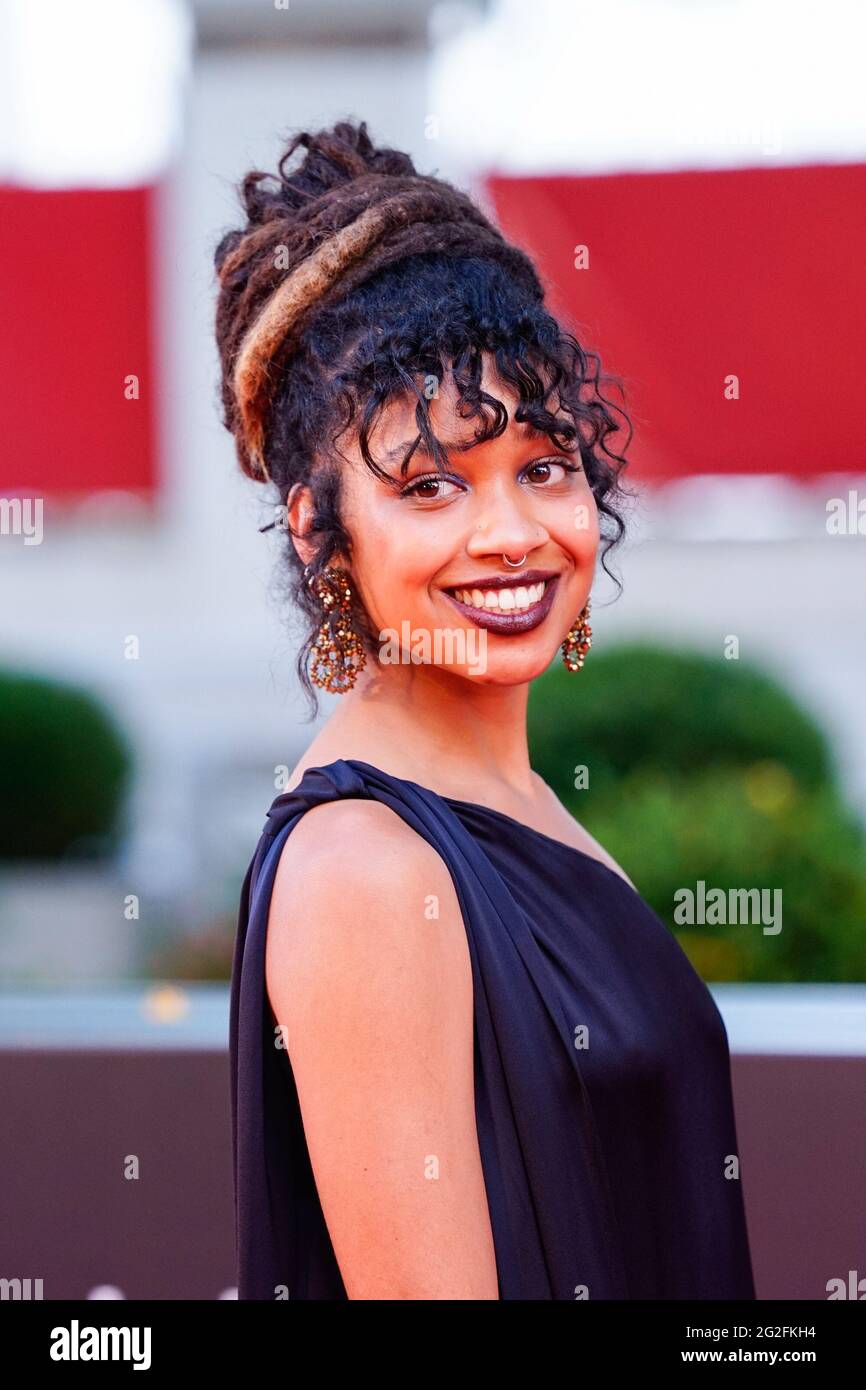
<point x="77" y="386"/>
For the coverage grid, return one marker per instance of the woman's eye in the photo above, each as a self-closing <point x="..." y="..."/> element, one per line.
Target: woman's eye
<point x="548" y="464"/>
<point x="416" y="489"/>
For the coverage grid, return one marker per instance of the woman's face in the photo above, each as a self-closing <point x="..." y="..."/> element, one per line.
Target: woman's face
<point x="515" y="495"/>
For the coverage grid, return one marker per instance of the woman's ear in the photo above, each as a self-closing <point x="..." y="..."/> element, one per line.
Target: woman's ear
<point x="300" y="512"/>
<point x="299" y="516"/>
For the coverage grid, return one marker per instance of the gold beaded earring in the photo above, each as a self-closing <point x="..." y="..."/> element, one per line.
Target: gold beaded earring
<point x="338" y="653"/>
<point x="578" y="641"/>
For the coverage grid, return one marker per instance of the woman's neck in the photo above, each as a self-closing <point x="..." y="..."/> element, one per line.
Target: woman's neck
<point x="457" y="736"/>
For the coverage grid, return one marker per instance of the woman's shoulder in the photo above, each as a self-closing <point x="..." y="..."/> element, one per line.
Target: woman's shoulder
<point x="364" y="910"/>
<point x="354" y="831"/>
<point x="358" y="857"/>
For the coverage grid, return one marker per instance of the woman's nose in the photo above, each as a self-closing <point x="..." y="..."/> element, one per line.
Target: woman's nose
<point x="505" y="529"/>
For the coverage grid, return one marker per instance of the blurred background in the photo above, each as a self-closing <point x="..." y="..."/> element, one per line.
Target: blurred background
<point x="691" y="179"/>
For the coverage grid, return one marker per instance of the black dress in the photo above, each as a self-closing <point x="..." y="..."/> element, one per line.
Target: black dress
<point x="602" y="1074"/>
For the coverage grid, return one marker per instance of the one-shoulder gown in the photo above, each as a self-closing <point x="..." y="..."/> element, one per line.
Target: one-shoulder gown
<point x="602" y="1074"/>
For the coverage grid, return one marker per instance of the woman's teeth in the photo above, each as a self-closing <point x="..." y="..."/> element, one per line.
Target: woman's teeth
<point x="502" y="600"/>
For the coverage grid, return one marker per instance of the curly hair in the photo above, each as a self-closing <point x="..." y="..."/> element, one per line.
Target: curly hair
<point x="355" y="276"/>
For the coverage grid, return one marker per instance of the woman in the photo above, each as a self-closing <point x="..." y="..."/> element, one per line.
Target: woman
<point x="468" y="1061"/>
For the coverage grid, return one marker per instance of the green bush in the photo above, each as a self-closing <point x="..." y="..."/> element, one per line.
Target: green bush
<point x="745" y="828"/>
<point x="641" y="706"/>
<point x="706" y="769"/>
<point x="64" y="771"/>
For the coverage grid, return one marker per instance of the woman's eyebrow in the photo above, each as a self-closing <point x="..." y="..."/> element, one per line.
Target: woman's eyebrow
<point x="418" y="446"/>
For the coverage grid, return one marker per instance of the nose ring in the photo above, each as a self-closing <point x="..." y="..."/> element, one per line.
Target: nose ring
<point x="515" y="564"/>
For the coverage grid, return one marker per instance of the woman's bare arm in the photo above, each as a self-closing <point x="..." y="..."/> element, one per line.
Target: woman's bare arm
<point x="368" y="972"/>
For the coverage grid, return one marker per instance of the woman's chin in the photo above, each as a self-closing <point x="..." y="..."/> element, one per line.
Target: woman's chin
<point x="506" y="669"/>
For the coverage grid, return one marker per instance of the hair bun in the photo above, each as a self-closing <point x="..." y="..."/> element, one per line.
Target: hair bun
<point x="334" y="158"/>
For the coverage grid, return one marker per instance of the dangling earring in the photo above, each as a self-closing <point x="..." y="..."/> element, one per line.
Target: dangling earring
<point x="338" y="653"/>
<point x="578" y="640"/>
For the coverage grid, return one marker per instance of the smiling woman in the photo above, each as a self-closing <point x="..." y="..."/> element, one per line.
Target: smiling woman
<point x="450" y="1074"/>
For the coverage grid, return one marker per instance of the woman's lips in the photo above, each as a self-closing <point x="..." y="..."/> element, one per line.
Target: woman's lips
<point x="509" y="624"/>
